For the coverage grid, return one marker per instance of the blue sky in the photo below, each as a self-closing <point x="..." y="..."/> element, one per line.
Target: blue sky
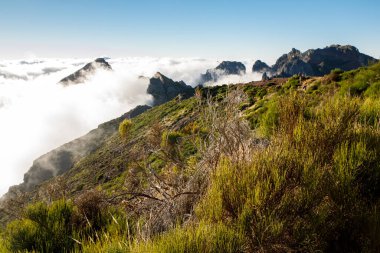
<point x="239" y="29"/>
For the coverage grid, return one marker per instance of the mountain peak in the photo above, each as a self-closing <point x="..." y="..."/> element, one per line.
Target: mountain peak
<point x="160" y="76"/>
<point x="89" y="69"/>
<point x="231" y="67"/>
<point x="260" y="66"/>
<point x="224" y="68"/>
<point x="164" y="89"/>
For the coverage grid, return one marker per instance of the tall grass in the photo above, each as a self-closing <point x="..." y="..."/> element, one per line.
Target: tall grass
<point x="204" y="237"/>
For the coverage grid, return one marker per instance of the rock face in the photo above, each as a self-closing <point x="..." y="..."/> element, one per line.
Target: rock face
<point x="291" y="64"/>
<point x="223" y="69"/>
<point x="164" y="89"/>
<point x="64" y="157"/>
<point x="260" y="66"/>
<point x="318" y="62"/>
<point x="82" y="74"/>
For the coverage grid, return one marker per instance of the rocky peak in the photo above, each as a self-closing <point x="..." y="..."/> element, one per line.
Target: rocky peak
<point x="223" y="69"/>
<point x="164" y="89"/>
<point x="232" y="67"/>
<point x="260" y="66"/>
<point x="89" y="69"/>
<point x="102" y="63"/>
<point x="294" y="53"/>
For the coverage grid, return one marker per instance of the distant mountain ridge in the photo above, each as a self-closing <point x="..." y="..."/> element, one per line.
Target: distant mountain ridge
<point x="316" y="62"/>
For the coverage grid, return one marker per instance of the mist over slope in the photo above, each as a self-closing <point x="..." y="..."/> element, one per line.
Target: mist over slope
<point x="38" y="115"/>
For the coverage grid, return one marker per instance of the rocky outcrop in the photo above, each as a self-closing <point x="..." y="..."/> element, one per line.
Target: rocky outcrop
<point x="84" y="73"/>
<point x="223" y="69"/>
<point x="164" y="89"/>
<point x="265" y="77"/>
<point x="260" y="66"/>
<point x="318" y="62"/>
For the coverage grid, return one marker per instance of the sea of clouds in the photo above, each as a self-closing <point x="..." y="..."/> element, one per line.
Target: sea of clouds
<point x="37" y="114"/>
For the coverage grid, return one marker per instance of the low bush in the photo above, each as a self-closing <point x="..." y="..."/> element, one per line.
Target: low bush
<point x="125" y="127"/>
<point x="44" y="228"/>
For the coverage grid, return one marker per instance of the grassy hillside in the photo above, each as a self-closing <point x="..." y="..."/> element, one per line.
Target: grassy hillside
<point x="278" y="166"/>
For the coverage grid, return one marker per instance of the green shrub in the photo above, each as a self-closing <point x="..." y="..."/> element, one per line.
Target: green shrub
<point x="125" y="127"/>
<point x="292" y="82"/>
<point x="170" y="138"/>
<point x="373" y="90"/>
<point x="335" y="75"/>
<point x="44" y="228"/>
<point x="358" y="83"/>
<point x="22" y="236"/>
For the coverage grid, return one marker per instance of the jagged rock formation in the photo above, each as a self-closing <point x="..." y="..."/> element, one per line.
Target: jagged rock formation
<point x="291" y="64"/>
<point x="82" y="74"/>
<point x="260" y="66"/>
<point x="164" y="89"/>
<point x="63" y="158"/>
<point x="318" y="62"/>
<point x="224" y="68"/>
